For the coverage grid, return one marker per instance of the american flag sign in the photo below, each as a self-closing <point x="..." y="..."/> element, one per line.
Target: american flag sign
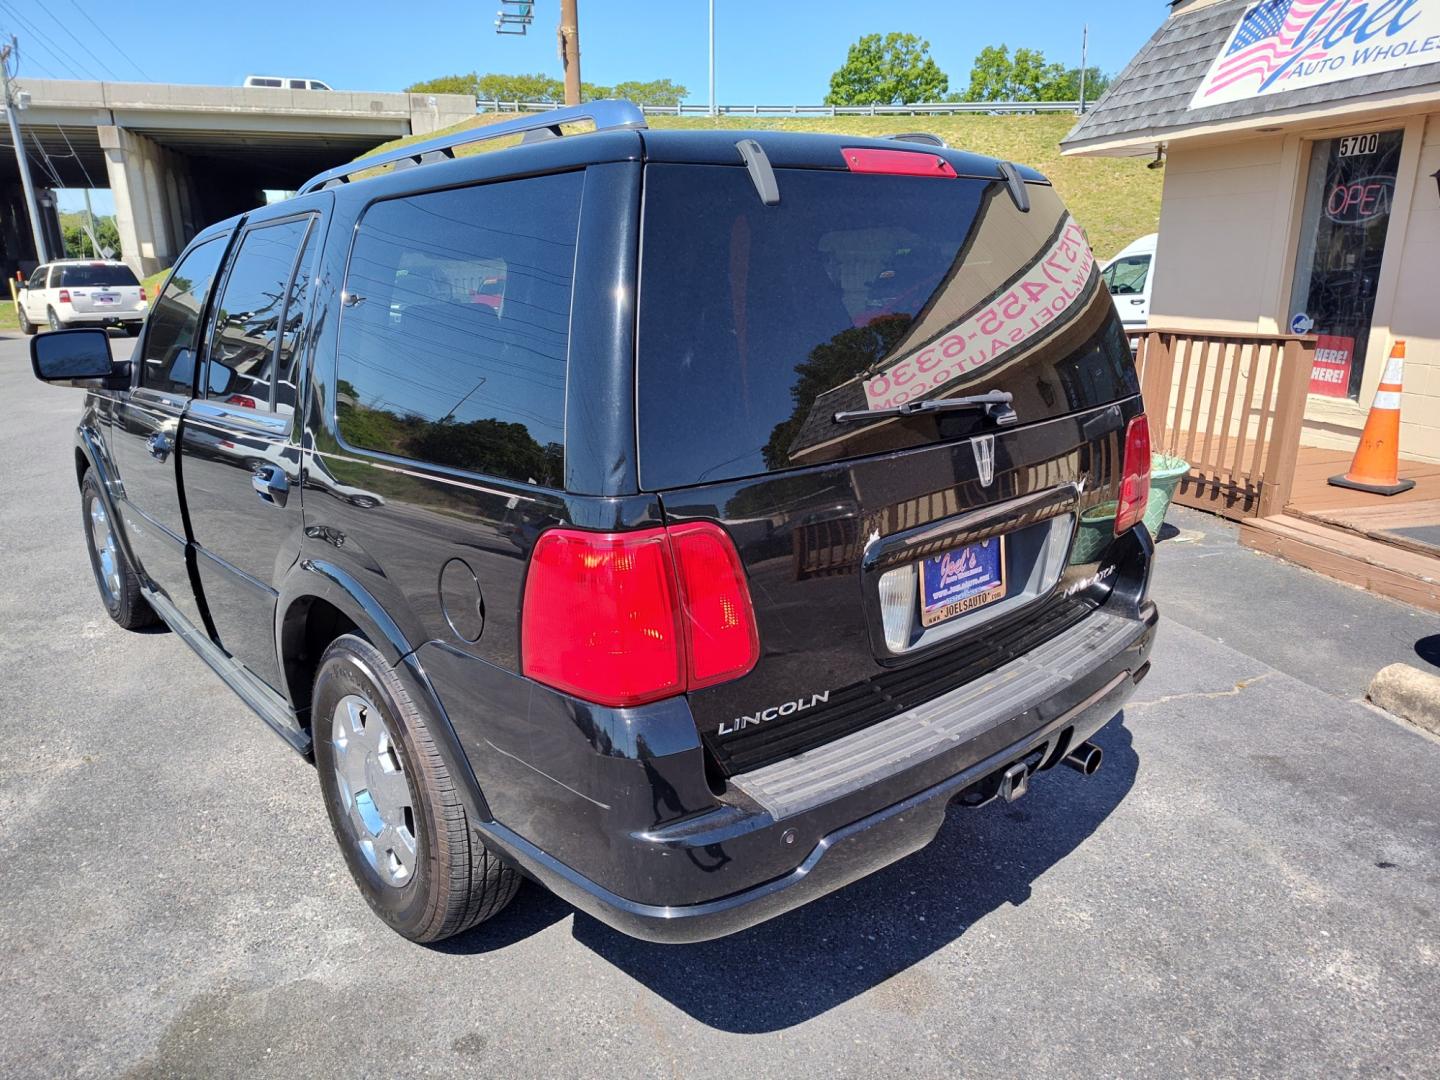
<point x="1281" y="45"/>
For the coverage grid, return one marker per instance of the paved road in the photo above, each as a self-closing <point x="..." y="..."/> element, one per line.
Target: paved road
<point x="1250" y="885"/>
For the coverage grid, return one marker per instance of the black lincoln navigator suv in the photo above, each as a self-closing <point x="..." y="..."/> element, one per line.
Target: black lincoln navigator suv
<point x="682" y="519"/>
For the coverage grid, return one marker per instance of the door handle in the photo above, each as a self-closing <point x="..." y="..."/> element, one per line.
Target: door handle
<point x="159" y="444"/>
<point x="270" y="484"/>
<point x="1138" y="300"/>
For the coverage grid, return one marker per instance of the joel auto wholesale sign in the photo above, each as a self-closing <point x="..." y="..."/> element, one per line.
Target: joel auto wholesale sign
<point x="1042" y="293"/>
<point x="1281" y="45"/>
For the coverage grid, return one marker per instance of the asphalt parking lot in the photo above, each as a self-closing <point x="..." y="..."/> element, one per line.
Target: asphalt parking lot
<point x="1250" y="885"/>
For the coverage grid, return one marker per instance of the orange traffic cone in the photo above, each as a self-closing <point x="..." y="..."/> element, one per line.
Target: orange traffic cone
<point x="1376" y="467"/>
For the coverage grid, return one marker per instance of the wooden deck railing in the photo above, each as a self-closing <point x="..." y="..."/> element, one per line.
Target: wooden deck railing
<point x="1232" y="406"/>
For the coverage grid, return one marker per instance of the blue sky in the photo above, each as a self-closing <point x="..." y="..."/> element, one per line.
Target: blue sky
<point x="771" y="54"/>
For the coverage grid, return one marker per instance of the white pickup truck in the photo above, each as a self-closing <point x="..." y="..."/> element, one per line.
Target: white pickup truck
<point x="82" y="292"/>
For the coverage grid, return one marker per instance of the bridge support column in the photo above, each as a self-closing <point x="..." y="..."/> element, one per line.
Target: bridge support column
<point x="430" y="113"/>
<point x="151" y="186"/>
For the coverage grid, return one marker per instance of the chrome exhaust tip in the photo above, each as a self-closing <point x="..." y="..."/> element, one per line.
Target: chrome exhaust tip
<point x="1085" y="758"/>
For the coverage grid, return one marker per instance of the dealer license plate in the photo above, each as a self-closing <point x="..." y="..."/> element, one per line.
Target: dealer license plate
<point x="962" y="580"/>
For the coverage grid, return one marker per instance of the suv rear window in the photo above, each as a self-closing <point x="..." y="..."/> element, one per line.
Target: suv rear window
<point x="81" y="276"/>
<point x="758" y="323"/>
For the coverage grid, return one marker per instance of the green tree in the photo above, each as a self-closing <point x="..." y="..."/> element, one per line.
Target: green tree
<point x="446" y="84"/>
<point x="1028" y="76"/>
<point x="1096" y="83"/>
<point x="77" y="243"/>
<point x="536" y="87"/>
<point x="895" y="69"/>
<point x="654" y="92"/>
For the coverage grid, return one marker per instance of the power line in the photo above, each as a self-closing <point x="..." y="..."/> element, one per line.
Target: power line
<point x="50" y="44"/>
<point x="78" y="161"/>
<point x="113" y="43"/>
<point x="45" y="161"/>
<point x="36" y="64"/>
<point x="66" y="70"/>
<point x="103" y="66"/>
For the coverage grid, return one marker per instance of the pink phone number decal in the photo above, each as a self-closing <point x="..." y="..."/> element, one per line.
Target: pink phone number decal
<point x="1051" y="284"/>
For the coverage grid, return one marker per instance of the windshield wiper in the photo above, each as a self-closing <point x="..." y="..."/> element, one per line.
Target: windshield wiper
<point x="996" y="404"/>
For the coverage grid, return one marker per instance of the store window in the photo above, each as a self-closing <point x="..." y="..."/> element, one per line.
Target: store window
<point x="1348" y="194"/>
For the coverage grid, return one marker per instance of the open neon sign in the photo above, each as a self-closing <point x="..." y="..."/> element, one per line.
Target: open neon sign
<point x="1358" y="201"/>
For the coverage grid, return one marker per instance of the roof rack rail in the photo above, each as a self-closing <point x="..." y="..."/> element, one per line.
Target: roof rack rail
<point x="918" y="137"/>
<point x="606" y="115"/>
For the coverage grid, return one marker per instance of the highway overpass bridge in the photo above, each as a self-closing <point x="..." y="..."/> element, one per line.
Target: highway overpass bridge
<point x="178" y="158"/>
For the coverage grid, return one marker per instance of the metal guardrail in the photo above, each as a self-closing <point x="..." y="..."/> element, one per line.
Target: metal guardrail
<point x="935" y="108"/>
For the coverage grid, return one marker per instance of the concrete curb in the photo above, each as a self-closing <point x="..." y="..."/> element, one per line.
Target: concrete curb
<point x="1408" y="692"/>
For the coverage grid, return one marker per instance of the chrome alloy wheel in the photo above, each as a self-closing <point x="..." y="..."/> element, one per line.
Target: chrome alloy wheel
<point x="373" y="790"/>
<point x="102" y="536"/>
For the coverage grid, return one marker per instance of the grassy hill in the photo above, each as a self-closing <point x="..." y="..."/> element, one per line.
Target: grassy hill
<point x="1116" y="199"/>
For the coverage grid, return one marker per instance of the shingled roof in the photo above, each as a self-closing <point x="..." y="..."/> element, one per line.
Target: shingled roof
<point x="1151" y="96"/>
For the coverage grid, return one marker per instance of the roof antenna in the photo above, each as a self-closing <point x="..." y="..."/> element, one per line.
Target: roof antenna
<point x="762" y="175"/>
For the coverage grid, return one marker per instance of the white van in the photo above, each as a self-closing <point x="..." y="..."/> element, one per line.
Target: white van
<point x="1129" y="277"/>
<point x="285" y="82"/>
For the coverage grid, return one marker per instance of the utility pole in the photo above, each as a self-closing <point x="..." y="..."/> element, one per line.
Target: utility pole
<point x="36" y="229"/>
<point x="712" y="57"/>
<point x="570" y="49"/>
<point x="1084" y="50"/>
<point x="90" y="227"/>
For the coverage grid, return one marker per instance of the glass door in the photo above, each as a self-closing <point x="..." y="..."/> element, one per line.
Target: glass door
<point x="1348" y="193"/>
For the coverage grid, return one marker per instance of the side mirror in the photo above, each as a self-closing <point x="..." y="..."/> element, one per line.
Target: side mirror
<point x="77" y="358"/>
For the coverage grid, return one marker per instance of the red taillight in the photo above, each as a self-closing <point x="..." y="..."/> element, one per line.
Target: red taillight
<point x="896" y="162"/>
<point x="64" y="296"/>
<point x="627" y="618"/>
<point x="721" y="639"/>
<point x="143" y="297"/>
<point x="241" y="399"/>
<point x="1135" y="476"/>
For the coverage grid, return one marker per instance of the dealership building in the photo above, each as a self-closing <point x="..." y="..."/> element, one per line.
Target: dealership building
<point x="1301" y="146"/>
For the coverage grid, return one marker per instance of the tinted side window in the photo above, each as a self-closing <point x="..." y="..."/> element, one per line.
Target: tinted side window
<point x="170" y="342"/>
<point x="454" y="348"/>
<point x="249" y="313"/>
<point x="297" y="311"/>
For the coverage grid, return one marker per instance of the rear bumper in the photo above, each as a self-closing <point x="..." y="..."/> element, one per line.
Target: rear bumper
<point x="878" y="802"/>
<point x="102" y="318"/>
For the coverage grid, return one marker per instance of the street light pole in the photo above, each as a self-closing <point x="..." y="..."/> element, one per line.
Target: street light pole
<point x="36" y="229"/>
<point x="712" y="57"/>
<point x="1084" y="59"/>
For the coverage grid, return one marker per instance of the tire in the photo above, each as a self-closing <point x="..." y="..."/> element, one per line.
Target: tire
<point x="53" y="319"/>
<point x="27" y="327"/>
<point x="419" y="867"/>
<point x="117" y="581"/>
<point x="133" y="329"/>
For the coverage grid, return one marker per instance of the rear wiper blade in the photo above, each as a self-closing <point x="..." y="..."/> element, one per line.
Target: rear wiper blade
<point x="996" y="404"/>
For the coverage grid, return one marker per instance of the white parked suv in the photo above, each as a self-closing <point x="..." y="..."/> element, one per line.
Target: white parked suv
<point x="82" y="292"/>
